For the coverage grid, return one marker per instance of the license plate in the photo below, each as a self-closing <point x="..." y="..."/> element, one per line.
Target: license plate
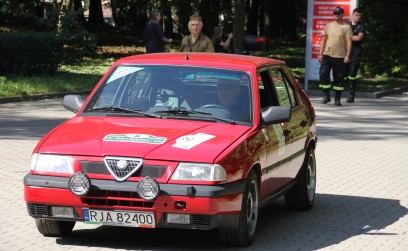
<point x="119" y="218"/>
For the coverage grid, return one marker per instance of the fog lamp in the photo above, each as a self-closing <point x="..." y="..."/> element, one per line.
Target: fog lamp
<point x="79" y="184"/>
<point x="148" y="188"/>
<point x="178" y="218"/>
<point x="65" y="212"/>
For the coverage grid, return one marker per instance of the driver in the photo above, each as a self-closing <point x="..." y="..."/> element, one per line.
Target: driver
<point x="228" y="93"/>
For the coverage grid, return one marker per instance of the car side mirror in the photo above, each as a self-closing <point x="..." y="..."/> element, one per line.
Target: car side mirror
<point x="73" y="102"/>
<point x="276" y="114"/>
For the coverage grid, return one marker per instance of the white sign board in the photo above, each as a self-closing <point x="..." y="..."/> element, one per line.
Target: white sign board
<point x="319" y="13"/>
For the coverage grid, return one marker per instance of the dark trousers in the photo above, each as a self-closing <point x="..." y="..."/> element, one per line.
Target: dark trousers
<point x="339" y="69"/>
<point x="351" y="72"/>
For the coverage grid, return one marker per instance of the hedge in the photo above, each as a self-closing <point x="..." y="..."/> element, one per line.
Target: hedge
<point x="30" y="53"/>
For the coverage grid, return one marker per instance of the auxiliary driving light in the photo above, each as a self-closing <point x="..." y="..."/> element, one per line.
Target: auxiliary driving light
<point x="178" y="218"/>
<point x="148" y="188"/>
<point x="62" y="212"/>
<point x="79" y="184"/>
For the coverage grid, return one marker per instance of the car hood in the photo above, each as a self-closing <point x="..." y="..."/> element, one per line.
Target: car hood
<point x="149" y="138"/>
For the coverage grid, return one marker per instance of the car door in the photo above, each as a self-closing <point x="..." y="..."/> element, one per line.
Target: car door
<point x="277" y="163"/>
<point x="296" y="130"/>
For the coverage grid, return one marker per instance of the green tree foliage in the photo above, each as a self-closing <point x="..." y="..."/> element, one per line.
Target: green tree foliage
<point x="385" y="45"/>
<point x="386" y="41"/>
<point x="77" y="40"/>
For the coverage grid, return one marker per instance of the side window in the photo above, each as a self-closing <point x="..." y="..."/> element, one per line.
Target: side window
<point x="283" y="88"/>
<point x="267" y="95"/>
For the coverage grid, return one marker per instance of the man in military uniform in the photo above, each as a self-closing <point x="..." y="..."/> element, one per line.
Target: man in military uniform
<point x="196" y="41"/>
<point x="334" y="54"/>
<point x="358" y="29"/>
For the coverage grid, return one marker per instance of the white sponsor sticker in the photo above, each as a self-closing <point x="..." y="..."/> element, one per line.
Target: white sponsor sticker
<point x="189" y="141"/>
<point x="265" y="133"/>
<point x="122" y="71"/>
<point x="135" y="138"/>
<point x="280" y="137"/>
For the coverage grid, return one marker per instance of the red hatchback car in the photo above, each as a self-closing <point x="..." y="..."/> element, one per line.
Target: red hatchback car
<point x="178" y="140"/>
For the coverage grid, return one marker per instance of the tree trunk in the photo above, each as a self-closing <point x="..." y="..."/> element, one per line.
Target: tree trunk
<point x="77" y="7"/>
<point x="63" y="10"/>
<point x="280" y="19"/>
<point x="239" y="22"/>
<point x="289" y="29"/>
<point x="95" y="14"/>
<point x="253" y="17"/>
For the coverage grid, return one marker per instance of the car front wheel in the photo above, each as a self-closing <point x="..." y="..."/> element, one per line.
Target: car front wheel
<point x="54" y="228"/>
<point x="248" y="219"/>
<point x="302" y="195"/>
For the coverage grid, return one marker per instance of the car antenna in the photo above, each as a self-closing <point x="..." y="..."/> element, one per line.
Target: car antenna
<point x="186" y="57"/>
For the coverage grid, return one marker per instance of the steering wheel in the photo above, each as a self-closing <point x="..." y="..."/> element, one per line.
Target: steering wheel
<point x="213" y="106"/>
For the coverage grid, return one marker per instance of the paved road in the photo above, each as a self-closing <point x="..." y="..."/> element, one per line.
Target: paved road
<point x="361" y="204"/>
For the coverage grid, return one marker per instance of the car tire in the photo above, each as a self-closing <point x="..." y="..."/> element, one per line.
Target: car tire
<point x="302" y="195"/>
<point x="244" y="234"/>
<point x="54" y="228"/>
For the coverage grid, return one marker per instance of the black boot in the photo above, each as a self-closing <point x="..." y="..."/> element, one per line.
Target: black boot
<point x="350" y="98"/>
<point x="337" y="99"/>
<point x="326" y="97"/>
<point x="352" y="89"/>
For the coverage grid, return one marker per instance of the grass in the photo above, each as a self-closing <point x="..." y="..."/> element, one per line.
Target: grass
<point x="85" y="75"/>
<point x="81" y="76"/>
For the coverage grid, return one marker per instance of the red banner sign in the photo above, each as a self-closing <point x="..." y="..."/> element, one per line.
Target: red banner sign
<point x="327" y="9"/>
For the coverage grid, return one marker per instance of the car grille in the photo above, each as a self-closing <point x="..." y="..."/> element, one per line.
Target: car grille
<point x="94" y="167"/>
<point x="122" y="168"/>
<point x="199" y="219"/>
<point x="37" y="210"/>
<point x="118" y="198"/>
<point x="115" y="198"/>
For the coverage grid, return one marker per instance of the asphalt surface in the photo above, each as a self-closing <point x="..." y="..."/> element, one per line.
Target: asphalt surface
<point x="362" y="187"/>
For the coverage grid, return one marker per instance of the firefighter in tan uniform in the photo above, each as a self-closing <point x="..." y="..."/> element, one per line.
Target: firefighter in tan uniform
<point x="334" y="55"/>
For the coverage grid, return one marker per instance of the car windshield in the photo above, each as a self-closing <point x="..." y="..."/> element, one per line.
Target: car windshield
<point x="175" y="92"/>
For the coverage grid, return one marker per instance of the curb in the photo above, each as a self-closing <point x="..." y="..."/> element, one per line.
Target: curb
<point x="14" y="99"/>
<point x="23" y="98"/>
<point x="392" y="91"/>
<point x="379" y="94"/>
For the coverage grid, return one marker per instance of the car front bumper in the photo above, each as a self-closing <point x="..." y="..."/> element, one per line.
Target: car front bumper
<point x="208" y="206"/>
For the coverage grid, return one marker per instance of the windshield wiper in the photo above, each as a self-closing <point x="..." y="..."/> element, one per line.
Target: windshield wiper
<point x="184" y="112"/>
<point x="126" y="110"/>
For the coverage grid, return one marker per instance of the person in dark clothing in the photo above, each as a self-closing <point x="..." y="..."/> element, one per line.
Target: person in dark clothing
<point x="358" y="29"/>
<point x="153" y="34"/>
<point x="219" y="45"/>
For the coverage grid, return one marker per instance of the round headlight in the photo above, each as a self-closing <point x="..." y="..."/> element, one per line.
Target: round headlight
<point x="79" y="184"/>
<point x="148" y="188"/>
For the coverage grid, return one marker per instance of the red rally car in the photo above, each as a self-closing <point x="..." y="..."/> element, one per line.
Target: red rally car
<point x="178" y="140"/>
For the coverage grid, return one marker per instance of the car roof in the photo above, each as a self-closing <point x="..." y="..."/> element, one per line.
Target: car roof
<point x="221" y="60"/>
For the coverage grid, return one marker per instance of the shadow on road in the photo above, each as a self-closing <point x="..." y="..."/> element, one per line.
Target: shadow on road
<point x="27" y="128"/>
<point x="335" y="218"/>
